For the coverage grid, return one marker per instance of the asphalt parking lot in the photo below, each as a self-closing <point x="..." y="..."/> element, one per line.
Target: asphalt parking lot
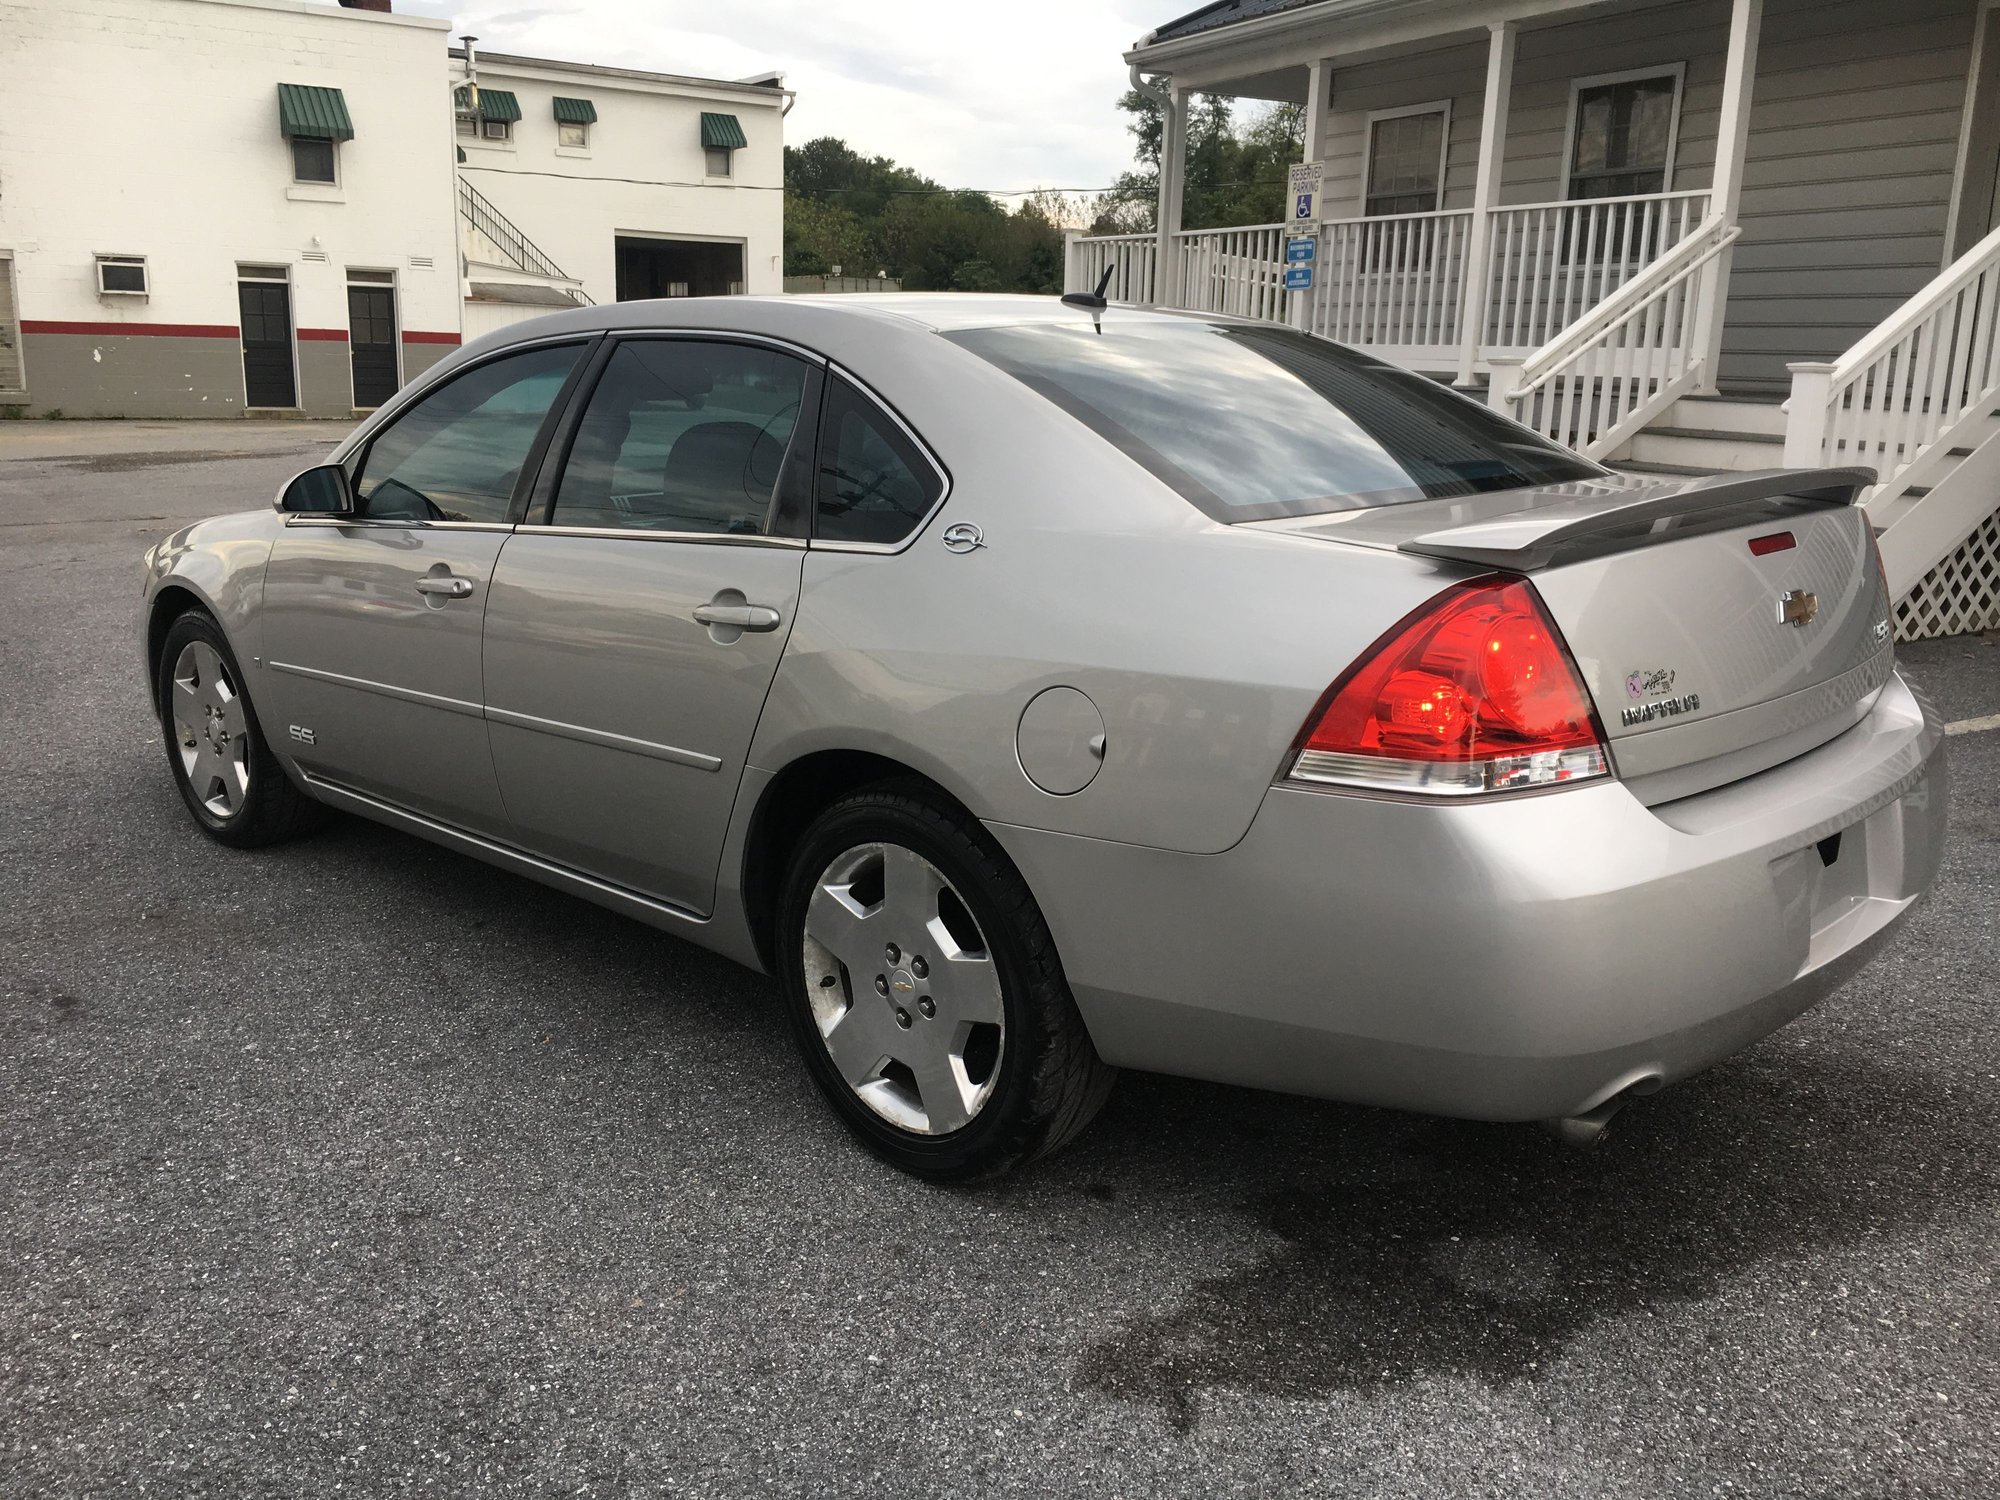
<point x="355" y="1166"/>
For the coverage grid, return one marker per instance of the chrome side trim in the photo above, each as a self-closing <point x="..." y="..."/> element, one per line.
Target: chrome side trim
<point x="609" y="741"/>
<point x="635" y="534"/>
<point x="378" y="523"/>
<point x="387" y="690"/>
<point x="503" y="854"/>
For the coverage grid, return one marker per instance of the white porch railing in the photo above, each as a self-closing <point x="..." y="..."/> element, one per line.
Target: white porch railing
<point x="1396" y="284"/>
<point x="1553" y="262"/>
<point x="1918" y="401"/>
<point x="1131" y="259"/>
<point x="1393" y="282"/>
<point x="1240" y="272"/>
<point x="1628" y="358"/>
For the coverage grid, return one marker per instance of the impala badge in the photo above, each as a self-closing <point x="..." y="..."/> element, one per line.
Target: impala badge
<point x="963" y="538"/>
<point x="1797" y="607"/>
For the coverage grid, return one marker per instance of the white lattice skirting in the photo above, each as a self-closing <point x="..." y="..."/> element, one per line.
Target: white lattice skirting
<point x="1961" y="594"/>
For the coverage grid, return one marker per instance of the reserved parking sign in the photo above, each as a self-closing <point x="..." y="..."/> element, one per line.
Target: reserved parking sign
<point x="1302" y="184"/>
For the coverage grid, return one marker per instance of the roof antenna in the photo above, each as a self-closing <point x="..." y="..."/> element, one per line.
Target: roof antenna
<point x="1092" y="302"/>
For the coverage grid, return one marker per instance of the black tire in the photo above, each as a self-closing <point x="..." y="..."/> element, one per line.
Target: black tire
<point x="272" y="808"/>
<point x="1049" y="1081"/>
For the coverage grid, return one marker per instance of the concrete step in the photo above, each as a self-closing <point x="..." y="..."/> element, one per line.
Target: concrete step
<point x="1707" y="448"/>
<point x="1728" y="414"/>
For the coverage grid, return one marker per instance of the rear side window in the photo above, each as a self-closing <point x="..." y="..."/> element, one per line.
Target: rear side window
<point x="684" y="435"/>
<point x="1250" y="423"/>
<point x="875" y="486"/>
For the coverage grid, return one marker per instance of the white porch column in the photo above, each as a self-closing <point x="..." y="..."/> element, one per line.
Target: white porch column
<point x="1805" y="417"/>
<point x="1746" y="19"/>
<point x="1485" y="195"/>
<point x="1319" y="92"/>
<point x="1173" y="176"/>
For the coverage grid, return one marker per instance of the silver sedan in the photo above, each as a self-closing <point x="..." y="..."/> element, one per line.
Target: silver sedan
<point x="1039" y="690"/>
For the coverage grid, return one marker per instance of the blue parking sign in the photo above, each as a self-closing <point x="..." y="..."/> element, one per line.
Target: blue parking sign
<point x="1302" y="206"/>
<point x="1301" y="249"/>
<point x="1298" y="278"/>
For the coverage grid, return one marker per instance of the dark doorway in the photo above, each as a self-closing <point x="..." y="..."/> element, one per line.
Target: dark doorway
<point x="677" y="268"/>
<point x="371" y="342"/>
<point x="266" y="310"/>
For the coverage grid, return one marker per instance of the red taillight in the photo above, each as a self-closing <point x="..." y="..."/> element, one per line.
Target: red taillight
<point x="1475" y="692"/>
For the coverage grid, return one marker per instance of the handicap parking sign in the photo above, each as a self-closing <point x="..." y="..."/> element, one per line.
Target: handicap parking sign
<point x="1302" y="182"/>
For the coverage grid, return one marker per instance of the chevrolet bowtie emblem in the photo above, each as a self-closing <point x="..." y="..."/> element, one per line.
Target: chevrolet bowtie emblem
<point x="1797" y="607"/>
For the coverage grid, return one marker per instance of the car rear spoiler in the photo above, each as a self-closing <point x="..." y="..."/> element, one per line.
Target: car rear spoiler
<point x="1528" y="539"/>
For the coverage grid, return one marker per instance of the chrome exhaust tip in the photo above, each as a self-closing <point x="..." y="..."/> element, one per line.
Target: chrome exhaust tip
<point x="1586" y="1131"/>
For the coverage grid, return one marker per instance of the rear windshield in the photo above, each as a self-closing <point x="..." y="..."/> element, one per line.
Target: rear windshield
<point x="1251" y="423"/>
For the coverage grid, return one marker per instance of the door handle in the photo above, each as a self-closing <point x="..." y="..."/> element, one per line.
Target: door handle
<point x="758" y="617"/>
<point x="450" y="588"/>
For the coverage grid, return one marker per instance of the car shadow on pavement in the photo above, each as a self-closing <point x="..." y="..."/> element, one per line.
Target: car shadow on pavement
<point x="1413" y="1248"/>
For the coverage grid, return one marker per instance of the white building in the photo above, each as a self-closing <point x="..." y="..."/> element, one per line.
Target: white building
<point x="616" y="184"/>
<point x="213" y="207"/>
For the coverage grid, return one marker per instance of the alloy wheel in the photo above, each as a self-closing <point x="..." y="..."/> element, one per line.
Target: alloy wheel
<point x="903" y="987"/>
<point x="211" y="730"/>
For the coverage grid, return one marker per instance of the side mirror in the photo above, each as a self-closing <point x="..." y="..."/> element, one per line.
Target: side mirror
<point x="323" y="491"/>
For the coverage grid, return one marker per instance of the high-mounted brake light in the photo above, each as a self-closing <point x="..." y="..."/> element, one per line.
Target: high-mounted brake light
<point x="1475" y="692"/>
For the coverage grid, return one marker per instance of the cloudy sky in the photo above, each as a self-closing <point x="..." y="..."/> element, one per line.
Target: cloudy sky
<point x="1016" y="94"/>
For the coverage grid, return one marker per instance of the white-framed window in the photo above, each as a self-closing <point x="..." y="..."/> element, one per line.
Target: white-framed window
<point x="720" y="160"/>
<point x="122" y="276"/>
<point x="496" y="130"/>
<point x="314" y="160"/>
<point x="1406" y="156"/>
<point x="572" y="133"/>
<point x="1623" y="131"/>
<point x="468" y="125"/>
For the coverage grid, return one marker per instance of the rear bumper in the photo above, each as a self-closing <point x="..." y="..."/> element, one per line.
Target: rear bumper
<point x="1521" y="958"/>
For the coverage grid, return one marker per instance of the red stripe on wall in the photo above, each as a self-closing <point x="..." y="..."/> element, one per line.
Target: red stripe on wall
<point x="411" y="337"/>
<point x="331" y="335"/>
<point x="140" y="330"/>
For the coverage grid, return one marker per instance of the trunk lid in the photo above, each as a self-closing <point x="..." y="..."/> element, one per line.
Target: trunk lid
<point x="1708" y="660"/>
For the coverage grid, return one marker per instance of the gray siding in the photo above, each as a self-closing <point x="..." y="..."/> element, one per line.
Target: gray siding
<point x="1854" y="134"/>
<point x="1853" y="139"/>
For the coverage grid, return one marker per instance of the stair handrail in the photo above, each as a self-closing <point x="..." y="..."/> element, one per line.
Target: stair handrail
<point x="1890" y="400"/>
<point x="478" y="210"/>
<point x="1947" y="284"/>
<point x="1709" y="239"/>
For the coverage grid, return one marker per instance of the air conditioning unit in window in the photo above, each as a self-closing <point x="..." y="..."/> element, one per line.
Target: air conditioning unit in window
<point x="121" y="276"/>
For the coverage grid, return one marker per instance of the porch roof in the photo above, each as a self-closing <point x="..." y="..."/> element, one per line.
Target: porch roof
<point x="1252" y="48"/>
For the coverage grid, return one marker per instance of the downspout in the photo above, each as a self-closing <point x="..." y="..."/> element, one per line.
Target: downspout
<point x="471" y="87"/>
<point x="1151" y="88"/>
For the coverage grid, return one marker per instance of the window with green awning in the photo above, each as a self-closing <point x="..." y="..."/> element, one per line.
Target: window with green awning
<point x="309" y="113"/>
<point x="575" y="112"/>
<point x="722" y="133"/>
<point x="494" y="104"/>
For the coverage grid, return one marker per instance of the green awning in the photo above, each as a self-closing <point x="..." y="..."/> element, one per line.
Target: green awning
<point x="723" y="131"/>
<point x="575" y="111"/>
<point x="313" y="114"/>
<point x="494" y="104"/>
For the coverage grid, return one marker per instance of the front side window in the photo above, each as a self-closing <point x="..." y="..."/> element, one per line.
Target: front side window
<point x="1406" y="163"/>
<point x="685" y="435"/>
<point x="312" y="160"/>
<point x="1251" y="423"/>
<point x="457" y="454"/>
<point x="719" y="160"/>
<point x="874" y="485"/>
<point x="571" y="133"/>
<point x="1623" y="136"/>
